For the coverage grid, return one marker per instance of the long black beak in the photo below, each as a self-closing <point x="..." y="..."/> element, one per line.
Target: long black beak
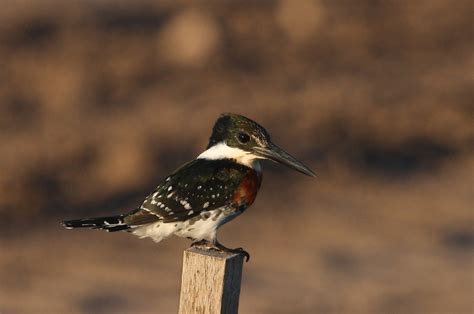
<point x="278" y="155"/>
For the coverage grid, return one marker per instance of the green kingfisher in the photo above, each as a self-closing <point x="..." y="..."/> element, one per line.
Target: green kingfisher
<point x="202" y="195"/>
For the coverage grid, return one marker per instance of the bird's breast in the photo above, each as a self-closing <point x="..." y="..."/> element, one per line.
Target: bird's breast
<point x="246" y="192"/>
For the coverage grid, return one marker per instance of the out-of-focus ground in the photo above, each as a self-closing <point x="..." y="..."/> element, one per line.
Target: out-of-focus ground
<point x="99" y="100"/>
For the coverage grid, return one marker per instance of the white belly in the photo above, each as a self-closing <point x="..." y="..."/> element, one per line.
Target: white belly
<point x="201" y="227"/>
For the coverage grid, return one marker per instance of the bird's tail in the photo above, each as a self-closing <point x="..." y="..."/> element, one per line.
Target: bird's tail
<point x="111" y="223"/>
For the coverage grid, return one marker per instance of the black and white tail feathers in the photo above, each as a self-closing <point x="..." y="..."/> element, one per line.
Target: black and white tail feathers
<point x="111" y="223"/>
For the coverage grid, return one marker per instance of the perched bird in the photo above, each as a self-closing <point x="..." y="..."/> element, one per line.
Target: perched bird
<point x="202" y="195"/>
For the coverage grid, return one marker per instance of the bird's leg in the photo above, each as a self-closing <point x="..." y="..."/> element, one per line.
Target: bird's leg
<point x="238" y="250"/>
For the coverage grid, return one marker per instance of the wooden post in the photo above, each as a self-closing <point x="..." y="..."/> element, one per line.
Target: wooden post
<point x="210" y="282"/>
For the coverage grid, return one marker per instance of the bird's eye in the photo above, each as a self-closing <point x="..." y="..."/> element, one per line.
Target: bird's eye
<point x="243" y="137"/>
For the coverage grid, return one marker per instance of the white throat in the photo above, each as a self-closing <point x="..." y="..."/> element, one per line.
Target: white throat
<point x="222" y="151"/>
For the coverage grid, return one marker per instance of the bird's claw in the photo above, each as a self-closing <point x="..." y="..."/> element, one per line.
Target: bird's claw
<point x="238" y="250"/>
<point x="243" y="252"/>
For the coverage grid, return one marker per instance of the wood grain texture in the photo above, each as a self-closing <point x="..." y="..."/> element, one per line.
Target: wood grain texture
<point x="210" y="282"/>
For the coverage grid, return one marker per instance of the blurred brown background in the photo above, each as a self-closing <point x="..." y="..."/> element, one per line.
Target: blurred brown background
<point x="99" y="100"/>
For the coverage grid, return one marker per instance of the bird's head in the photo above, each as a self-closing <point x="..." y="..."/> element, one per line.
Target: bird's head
<point x="237" y="137"/>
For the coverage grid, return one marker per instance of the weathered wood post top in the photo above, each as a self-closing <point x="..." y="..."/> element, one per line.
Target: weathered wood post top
<point x="210" y="282"/>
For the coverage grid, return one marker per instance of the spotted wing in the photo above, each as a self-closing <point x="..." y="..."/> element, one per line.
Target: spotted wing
<point x="201" y="185"/>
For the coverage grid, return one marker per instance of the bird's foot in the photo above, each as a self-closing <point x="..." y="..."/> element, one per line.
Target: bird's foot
<point x="206" y="245"/>
<point x="202" y="243"/>
<point x="238" y="250"/>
